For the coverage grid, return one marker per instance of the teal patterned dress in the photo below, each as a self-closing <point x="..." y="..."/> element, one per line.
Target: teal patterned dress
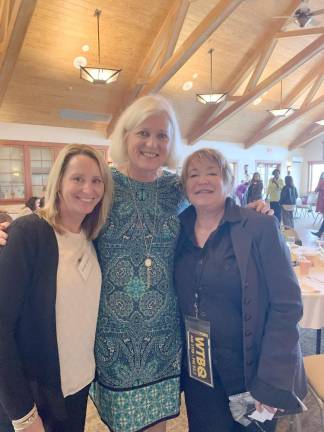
<point x="138" y="342"/>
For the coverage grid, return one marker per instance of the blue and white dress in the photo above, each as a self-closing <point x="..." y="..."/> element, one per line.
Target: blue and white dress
<point x="138" y="342"/>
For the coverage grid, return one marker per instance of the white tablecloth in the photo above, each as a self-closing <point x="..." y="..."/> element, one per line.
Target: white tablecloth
<point x="312" y="287"/>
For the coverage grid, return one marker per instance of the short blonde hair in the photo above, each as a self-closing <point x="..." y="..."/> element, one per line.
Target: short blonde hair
<point x="93" y="222"/>
<point x="135" y="114"/>
<point x="215" y="157"/>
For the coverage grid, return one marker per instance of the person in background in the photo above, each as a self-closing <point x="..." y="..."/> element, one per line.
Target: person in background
<point x="287" y="201"/>
<point x="320" y="203"/>
<point x="240" y="192"/>
<point x="320" y="232"/>
<point x="31" y="205"/>
<point x="273" y="193"/>
<point x="238" y="293"/>
<point x="255" y="188"/>
<point x="50" y="283"/>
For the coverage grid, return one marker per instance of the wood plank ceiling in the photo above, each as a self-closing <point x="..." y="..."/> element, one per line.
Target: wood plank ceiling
<point x="160" y="45"/>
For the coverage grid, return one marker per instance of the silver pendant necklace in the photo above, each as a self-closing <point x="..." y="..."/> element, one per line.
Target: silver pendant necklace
<point x="148" y="242"/>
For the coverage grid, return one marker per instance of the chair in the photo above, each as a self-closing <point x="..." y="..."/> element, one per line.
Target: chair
<point x="305" y="205"/>
<point x="314" y="366"/>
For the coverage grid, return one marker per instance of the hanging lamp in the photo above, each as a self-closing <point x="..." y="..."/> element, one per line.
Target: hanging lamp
<point x="98" y="74"/>
<point x="281" y="112"/>
<point x="211" y="97"/>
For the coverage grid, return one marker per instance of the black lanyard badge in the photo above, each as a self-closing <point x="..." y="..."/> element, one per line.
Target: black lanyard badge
<point x="198" y="350"/>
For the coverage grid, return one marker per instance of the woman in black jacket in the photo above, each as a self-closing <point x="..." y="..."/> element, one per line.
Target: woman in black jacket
<point x="287" y="201"/>
<point x="240" y="300"/>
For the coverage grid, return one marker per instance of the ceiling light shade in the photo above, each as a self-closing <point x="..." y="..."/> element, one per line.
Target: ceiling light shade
<point x="211" y="97"/>
<point x="281" y="112"/>
<point x="98" y="74"/>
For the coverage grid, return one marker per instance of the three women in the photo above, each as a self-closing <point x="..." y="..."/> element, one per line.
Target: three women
<point x="138" y="343"/>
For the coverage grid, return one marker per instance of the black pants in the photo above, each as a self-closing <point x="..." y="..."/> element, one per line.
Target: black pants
<point x="321" y="230"/>
<point x="208" y="409"/>
<point x="276" y="207"/>
<point x="76" y="407"/>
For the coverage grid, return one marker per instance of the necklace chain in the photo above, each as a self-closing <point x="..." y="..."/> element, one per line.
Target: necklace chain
<point x="148" y="243"/>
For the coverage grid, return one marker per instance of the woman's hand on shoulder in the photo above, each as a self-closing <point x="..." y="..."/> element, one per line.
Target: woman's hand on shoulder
<point x="3" y="234"/>
<point x="259" y="406"/>
<point x="261" y="206"/>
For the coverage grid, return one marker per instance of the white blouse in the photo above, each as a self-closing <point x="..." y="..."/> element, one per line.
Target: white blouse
<point x="77" y="303"/>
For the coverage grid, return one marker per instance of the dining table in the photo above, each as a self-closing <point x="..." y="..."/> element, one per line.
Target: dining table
<point x="312" y="290"/>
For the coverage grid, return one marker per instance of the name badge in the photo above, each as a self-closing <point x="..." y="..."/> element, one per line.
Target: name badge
<point x="85" y="266"/>
<point x="198" y="350"/>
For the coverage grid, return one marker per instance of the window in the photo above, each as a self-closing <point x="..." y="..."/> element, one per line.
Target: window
<point x="314" y="173"/>
<point x="41" y="161"/>
<point x="12" y="182"/>
<point x="233" y="166"/>
<point x="24" y="168"/>
<point x="265" y="170"/>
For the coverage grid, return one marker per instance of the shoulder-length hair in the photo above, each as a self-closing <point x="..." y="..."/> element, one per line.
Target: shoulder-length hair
<point x="215" y="157"/>
<point x="135" y="114"/>
<point x="92" y="222"/>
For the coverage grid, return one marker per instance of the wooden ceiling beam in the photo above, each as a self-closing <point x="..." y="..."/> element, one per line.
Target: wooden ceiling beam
<point x="309" y="134"/>
<point x="262" y="63"/>
<point x="313" y="90"/>
<point x="179" y="17"/>
<point x="303" y="56"/>
<point x="240" y="74"/>
<point x="292" y="118"/>
<point x="16" y="37"/>
<point x="207" y="27"/>
<point x="287" y="101"/>
<point x="300" y="32"/>
<point x="159" y="49"/>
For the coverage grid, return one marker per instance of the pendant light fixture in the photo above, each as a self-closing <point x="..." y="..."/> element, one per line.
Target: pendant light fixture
<point x="211" y="97"/>
<point x="281" y="112"/>
<point x="98" y="74"/>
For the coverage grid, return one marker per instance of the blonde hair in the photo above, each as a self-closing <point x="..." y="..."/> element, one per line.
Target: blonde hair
<point x="93" y="222"/>
<point x="135" y="114"/>
<point x="215" y="157"/>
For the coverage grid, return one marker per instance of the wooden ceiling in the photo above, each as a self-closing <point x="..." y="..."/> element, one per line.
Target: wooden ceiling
<point x="160" y="45"/>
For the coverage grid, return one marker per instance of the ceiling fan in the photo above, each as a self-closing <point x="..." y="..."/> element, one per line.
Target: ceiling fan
<point x="303" y="15"/>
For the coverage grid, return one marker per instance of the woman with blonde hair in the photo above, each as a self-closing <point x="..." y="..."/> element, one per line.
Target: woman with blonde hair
<point x="50" y="283"/>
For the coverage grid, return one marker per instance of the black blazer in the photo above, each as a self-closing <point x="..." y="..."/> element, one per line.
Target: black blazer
<point x="29" y="361"/>
<point x="271" y="308"/>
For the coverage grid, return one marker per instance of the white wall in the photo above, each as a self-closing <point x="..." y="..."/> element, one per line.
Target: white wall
<point x="26" y="132"/>
<point x="236" y="152"/>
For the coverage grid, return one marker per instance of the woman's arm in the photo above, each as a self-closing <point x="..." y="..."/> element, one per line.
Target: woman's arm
<point x="17" y="261"/>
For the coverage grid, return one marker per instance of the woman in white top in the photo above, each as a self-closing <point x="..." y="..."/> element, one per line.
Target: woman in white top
<point x="50" y="283"/>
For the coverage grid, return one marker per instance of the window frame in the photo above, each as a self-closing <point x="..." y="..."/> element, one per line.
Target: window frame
<point x="26" y="146"/>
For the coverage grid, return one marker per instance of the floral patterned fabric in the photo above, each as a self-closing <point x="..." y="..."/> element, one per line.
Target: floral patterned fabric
<point x="138" y="343"/>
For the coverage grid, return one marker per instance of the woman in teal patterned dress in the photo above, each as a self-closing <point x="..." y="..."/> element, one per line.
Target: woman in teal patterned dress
<point x="138" y="343"/>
